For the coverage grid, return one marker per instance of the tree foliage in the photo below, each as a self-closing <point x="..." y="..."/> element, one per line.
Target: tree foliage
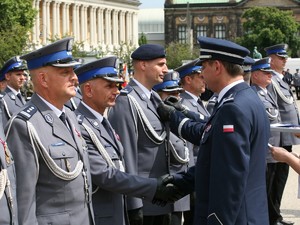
<point x="266" y="26"/>
<point x="143" y="39"/>
<point x="16" y="20"/>
<point x="177" y="52"/>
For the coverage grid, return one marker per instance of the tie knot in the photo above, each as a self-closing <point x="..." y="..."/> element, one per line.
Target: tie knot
<point x="62" y="117"/>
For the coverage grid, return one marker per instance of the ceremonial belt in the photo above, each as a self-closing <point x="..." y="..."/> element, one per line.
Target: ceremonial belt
<point x="157" y="139"/>
<point x="281" y="95"/>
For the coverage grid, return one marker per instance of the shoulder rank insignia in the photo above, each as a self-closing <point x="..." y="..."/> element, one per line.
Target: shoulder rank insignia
<point x="80" y="118"/>
<point x="28" y="112"/>
<point x="126" y="90"/>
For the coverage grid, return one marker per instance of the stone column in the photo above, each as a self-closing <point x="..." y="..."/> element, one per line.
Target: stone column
<point x="122" y="27"/>
<point x="134" y="33"/>
<point x="108" y="26"/>
<point x="100" y="26"/>
<point x="115" y="27"/>
<point x="92" y="27"/>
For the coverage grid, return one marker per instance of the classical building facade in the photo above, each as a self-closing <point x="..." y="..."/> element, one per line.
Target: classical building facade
<point x="94" y="23"/>
<point x="185" y="20"/>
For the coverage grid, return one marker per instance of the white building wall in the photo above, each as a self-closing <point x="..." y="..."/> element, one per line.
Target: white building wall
<point x="95" y="23"/>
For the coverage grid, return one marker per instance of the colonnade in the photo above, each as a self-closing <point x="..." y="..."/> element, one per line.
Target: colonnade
<point x="104" y="24"/>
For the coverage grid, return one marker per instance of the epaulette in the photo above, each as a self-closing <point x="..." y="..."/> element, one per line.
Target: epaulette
<point x="28" y="112"/>
<point x="126" y="90"/>
<point x="229" y="98"/>
<point x="80" y="118"/>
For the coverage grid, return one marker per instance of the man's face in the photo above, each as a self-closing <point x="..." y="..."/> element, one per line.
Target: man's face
<point x="155" y="71"/>
<point x="61" y="82"/>
<point x="263" y="79"/>
<point x="16" y="79"/>
<point x="278" y="63"/>
<point x="102" y="94"/>
<point x="208" y="73"/>
<point x="197" y="84"/>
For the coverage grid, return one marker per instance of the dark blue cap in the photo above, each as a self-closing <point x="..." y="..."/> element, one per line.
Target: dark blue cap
<point x="58" y="54"/>
<point x="263" y="65"/>
<point x="279" y="50"/>
<point x="219" y="49"/>
<point x="105" y="68"/>
<point x="149" y="52"/>
<point x="189" y="68"/>
<point x="170" y="83"/>
<point x="13" y="64"/>
<point x="248" y="64"/>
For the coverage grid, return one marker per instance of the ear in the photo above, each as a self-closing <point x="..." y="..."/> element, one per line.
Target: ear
<point x="7" y="76"/>
<point x="43" y="78"/>
<point x="87" y="89"/>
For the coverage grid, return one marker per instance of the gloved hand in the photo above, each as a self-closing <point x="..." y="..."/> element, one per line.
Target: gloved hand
<point x="164" y="111"/>
<point x="173" y="101"/>
<point x="166" y="192"/>
<point x="135" y="216"/>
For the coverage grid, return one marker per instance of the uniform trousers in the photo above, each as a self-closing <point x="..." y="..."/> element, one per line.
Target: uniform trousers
<point x="277" y="174"/>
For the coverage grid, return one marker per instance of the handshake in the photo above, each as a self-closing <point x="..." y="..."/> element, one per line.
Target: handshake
<point x="170" y="104"/>
<point x="166" y="191"/>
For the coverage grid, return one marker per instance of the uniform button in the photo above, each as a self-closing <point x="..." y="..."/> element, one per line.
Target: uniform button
<point x="63" y="153"/>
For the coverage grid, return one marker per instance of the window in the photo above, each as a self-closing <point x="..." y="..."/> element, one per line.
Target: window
<point x="220" y="31"/>
<point x="201" y="30"/>
<point x="182" y="34"/>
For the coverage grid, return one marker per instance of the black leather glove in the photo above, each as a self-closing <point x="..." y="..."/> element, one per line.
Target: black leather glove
<point x="173" y="101"/>
<point x="164" y="111"/>
<point x="135" y="216"/>
<point x="166" y="192"/>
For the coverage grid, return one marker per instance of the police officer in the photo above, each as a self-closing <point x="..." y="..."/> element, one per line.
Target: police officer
<point x="247" y="68"/>
<point x="261" y="77"/>
<point x="178" y="150"/>
<point x="289" y="114"/>
<point x="99" y="84"/>
<point x="230" y="160"/>
<point x="13" y="72"/>
<point x="8" y="200"/>
<point x="52" y="167"/>
<point x="193" y="83"/>
<point x="142" y="134"/>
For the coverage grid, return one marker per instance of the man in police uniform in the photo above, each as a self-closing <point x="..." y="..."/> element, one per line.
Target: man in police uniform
<point x="178" y="149"/>
<point x="52" y="167"/>
<point x="13" y="72"/>
<point x="98" y="81"/>
<point x="142" y="134"/>
<point x="289" y="114"/>
<point x="229" y="176"/>
<point x="261" y="77"/>
<point x="193" y="83"/>
<point x="8" y="200"/>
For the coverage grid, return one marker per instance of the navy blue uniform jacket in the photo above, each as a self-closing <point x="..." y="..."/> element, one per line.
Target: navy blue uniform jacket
<point x="229" y="177"/>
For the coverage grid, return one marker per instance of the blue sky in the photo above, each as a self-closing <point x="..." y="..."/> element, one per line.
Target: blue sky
<point x="146" y="4"/>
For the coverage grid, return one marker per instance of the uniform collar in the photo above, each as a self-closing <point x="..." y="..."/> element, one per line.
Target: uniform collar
<point x="94" y="112"/>
<point x="227" y="88"/>
<point x="144" y="89"/>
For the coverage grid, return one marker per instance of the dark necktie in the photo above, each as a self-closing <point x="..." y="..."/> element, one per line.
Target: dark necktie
<point x="152" y="99"/>
<point x="63" y="118"/>
<point x="20" y="97"/>
<point x="108" y="128"/>
<point x="200" y="102"/>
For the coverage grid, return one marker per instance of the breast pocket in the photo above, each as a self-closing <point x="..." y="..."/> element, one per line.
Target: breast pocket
<point x="64" y="156"/>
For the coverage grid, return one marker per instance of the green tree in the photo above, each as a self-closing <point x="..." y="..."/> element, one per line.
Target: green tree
<point x="266" y="26"/>
<point x="16" y="20"/>
<point x="177" y="52"/>
<point x="143" y="39"/>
